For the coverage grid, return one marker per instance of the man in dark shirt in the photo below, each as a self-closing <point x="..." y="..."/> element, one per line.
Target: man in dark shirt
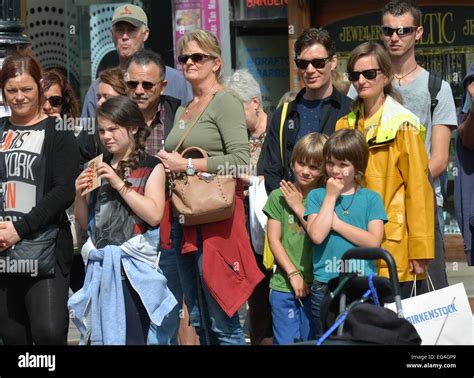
<point x="316" y="108"/>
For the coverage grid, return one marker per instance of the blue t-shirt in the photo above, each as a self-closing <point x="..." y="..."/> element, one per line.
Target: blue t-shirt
<point x="361" y="207"/>
<point x="310" y="117"/>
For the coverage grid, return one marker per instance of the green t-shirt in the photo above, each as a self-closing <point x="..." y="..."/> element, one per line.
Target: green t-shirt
<point x="221" y="131"/>
<point x="294" y="239"/>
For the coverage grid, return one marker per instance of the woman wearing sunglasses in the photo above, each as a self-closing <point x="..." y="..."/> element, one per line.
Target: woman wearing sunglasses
<point x="398" y="163"/>
<point x="60" y="99"/>
<point x="41" y="166"/>
<point x="213" y="289"/>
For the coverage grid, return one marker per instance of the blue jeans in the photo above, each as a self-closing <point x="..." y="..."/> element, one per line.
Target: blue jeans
<point x="212" y="324"/>
<point x="291" y="321"/>
<point x="167" y="332"/>
<point x="318" y="290"/>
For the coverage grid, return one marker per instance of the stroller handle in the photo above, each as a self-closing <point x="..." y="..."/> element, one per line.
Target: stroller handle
<point x="375" y="254"/>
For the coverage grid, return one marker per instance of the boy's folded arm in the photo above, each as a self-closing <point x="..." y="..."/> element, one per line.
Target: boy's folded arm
<point x="322" y="224"/>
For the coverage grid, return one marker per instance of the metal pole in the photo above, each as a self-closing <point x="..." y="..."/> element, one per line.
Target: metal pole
<point x="11" y="28"/>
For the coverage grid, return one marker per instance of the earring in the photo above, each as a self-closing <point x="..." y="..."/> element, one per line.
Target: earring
<point x="257" y="112"/>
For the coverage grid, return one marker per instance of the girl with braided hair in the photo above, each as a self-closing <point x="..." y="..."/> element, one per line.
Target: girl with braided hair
<point x="122" y="216"/>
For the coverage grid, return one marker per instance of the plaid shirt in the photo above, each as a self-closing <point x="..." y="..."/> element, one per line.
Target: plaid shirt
<point x="156" y="140"/>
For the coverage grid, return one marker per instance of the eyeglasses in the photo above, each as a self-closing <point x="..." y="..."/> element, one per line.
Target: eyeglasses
<point x="316" y="63"/>
<point x="368" y="74"/>
<point x="55" y="100"/>
<point x="146" y="85"/>
<point x="401" y="31"/>
<point x="196" y="58"/>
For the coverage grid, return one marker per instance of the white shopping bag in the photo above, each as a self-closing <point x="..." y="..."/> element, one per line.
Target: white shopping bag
<point x="258" y="219"/>
<point x="441" y="317"/>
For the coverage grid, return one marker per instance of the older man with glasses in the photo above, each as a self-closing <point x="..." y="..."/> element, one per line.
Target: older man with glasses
<point x="129" y="31"/>
<point x="316" y="108"/>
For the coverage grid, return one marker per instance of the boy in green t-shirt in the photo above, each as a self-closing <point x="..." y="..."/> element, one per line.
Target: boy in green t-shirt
<point x="286" y="229"/>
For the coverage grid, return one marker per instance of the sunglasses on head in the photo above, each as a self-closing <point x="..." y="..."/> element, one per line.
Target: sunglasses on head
<point x="316" y="63"/>
<point x="146" y="85"/>
<point x="368" y="74"/>
<point x="196" y="58"/>
<point x="402" y="30"/>
<point x="55" y="100"/>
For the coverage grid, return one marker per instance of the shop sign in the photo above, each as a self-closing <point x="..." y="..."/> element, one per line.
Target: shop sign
<point x="261" y="9"/>
<point x="443" y="27"/>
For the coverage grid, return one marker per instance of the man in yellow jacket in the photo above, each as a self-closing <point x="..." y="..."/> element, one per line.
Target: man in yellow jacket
<point x="398" y="171"/>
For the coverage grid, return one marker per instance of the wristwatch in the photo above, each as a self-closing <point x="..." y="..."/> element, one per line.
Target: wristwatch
<point x="190" y="171"/>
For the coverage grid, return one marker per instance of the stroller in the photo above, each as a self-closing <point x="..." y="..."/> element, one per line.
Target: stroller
<point x="353" y="305"/>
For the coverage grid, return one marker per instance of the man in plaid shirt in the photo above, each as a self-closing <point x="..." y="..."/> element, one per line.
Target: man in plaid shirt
<point x="145" y="79"/>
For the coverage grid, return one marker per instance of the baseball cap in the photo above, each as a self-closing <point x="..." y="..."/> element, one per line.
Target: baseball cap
<point x="130" y="13"/>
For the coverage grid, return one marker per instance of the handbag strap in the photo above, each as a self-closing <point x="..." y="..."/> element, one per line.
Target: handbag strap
<point x="186" y="133"/>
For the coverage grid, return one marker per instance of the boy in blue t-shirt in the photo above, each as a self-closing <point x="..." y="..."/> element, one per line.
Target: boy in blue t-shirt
<point x="342" y="215"/>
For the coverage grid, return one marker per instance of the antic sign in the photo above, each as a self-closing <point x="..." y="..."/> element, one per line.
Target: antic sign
<point x="443" y="26"/>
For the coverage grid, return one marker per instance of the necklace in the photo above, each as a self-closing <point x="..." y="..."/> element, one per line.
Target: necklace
<point x="190" y="105"/>
<point x="345" y="211"/>
<point x="399" y="78"/>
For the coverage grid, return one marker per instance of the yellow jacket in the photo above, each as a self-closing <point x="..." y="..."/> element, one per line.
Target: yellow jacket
<point x="398" y="171"/>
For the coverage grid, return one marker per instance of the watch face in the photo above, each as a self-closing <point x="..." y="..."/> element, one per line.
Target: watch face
<point x="190" y="171"/>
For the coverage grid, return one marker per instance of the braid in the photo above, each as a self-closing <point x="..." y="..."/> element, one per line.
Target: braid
<point x="124" y="168"/>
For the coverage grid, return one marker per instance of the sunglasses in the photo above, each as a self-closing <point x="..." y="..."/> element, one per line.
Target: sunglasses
<point x="146" y="85"/>
<point x="402" y="30"/>
<point x="55" y="100"/>
<point x="316" y="63"/>
<point x="368" y="74"/>
<point x="196" y="58"/>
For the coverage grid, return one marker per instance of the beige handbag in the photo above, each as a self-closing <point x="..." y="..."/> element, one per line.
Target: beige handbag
<point x="204" y="197"/>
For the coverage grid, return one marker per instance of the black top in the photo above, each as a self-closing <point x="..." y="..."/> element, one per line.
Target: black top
<point x="335" y="107"/>
<point x="55" y="172"/>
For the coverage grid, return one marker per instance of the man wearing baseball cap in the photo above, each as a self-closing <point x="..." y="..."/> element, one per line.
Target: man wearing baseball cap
<point x="132" y="14"/>
<point x="129" y="30"/>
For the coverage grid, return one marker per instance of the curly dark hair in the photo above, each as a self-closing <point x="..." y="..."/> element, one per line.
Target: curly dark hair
<point x="71" y="104"/>
<point x="123" y="111"/>
<point x="311" y="36"/>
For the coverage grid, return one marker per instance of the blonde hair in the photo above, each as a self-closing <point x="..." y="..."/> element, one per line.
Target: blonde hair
<point x="309" y="149"/>
<point x="206" y="41"/>
<point x="287" y="97"/>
